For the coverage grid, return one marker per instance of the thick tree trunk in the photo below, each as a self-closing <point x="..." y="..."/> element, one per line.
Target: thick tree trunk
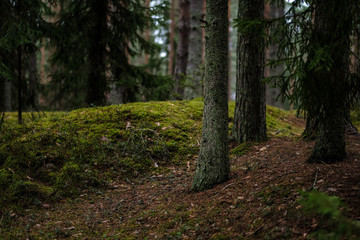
<point x="212" y="166"/>
<point x="273" y="11"/>
<point x="97" y="79"/>
<point x="328" y="85"/>
<point x="194" y="67"/>
<point x="182" y="51"/>
<point x="250" y="109"/>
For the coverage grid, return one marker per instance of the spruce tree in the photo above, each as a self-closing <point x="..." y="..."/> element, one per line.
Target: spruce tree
<point x="212" y="166"/>
<point x="95" y="42"/>
<point x="22" y="25"/>
<point x="327" y="77"/>
<point x="250" y="108"/>
<point x="316" y="50"/>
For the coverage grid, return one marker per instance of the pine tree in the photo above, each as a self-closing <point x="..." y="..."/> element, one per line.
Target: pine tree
<point x="212" y="166"/>
<point x="249" y="116"/>
<point x="95" y="41"/>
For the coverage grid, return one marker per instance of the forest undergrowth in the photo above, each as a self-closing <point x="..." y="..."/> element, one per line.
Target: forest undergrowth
<point x="125" y="171"/>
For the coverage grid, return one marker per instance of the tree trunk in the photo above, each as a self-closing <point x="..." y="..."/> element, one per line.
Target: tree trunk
<point x="19" y="87"/>
<point x="273" y="11"/>
<point x="147" y="36"/>
<point x="97" y="79"/>
<point x="172" y="38"/>
<point x="182" y="51"/>
<point x="194" y="67"/>
<point x="328" y="85"/>
<point x="2" y="94"/>
<point x="7" y="96"/>
<point x="33" y="92"/>
<point x="250" y="108"/>
<point x="212" y="166"/>
<point x="229" y="44"/>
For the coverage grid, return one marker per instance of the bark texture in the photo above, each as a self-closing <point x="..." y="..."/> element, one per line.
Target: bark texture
<point x="182" y="51"/>
<point x="212" y="166"/>
<point x="328" y="85"/>
<point x="250" y="108"/>
<point x="273" y="10"/>
<point x="194" y="67"/>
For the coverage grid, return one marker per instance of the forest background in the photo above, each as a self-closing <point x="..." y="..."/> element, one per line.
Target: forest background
<point x="85" y="55"/>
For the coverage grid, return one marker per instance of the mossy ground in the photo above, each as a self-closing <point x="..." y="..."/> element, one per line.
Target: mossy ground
<point x="117" y="170"/>
<point x="61" y="153"/>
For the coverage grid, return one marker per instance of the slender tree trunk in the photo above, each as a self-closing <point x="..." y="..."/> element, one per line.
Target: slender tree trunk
<point x="172" y="39"/>
<point x="250" y="108"/>
<point x="182" y="51"/>
<point x="194" y="67"/>
<point x="229" y="44"/>
<point x="33" y="82"/>
<point x="272" y="10"/>
<point x="329" y="85"/>
<point x="7" y="96"/>
<point x="2" y="94"/>
<point x="97" y="79"/>
<point x="19" y="87"/>
<point x="147" y="35"/>
<point x="213" y="166"/>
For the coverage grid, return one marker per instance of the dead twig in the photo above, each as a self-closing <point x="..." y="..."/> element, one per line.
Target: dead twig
<point x="227" y="186"/>
<point x="255" y="232"/>
<point x="315" y="180"/>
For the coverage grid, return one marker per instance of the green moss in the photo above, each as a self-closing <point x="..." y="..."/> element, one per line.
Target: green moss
<point x="355" y="116"/>
<point x="72" y="151"/>
<point x="278" y="124"/>
<point x="241" y="149"/>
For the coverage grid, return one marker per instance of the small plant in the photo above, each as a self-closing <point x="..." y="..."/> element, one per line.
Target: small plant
<point x="330" y="209"/>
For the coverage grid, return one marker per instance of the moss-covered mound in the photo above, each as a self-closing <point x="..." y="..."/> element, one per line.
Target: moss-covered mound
<point x="61" y="153"/>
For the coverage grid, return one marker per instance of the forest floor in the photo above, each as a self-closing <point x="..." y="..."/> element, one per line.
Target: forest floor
<point x="260" y="201"/>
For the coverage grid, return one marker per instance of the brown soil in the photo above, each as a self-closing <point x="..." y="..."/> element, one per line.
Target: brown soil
<point x="258" y="202"/>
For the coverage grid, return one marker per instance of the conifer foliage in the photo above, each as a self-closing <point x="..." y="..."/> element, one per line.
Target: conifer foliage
<point x="315" y="44"/>
<point x="22" y="25"/>
<point x="95" y="41"/>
